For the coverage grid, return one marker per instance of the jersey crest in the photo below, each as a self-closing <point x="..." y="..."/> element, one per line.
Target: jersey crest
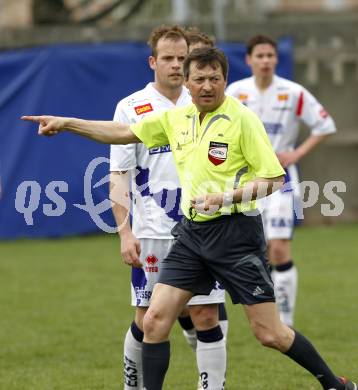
<point x="217" y="153"/>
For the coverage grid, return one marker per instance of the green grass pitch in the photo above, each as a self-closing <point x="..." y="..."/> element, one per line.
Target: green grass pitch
<point x="64" y="310"/>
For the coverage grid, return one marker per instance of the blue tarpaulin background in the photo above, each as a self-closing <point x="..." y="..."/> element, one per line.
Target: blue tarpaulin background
<point x="42" y="178"/>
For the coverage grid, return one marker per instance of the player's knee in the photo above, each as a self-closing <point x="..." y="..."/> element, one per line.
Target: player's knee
<point x="151" y="322"/>
<point x="267" y="340"/>
<point x="266" y="336"/>
<point x="272" y="338"/>
<point x="155" y="325"/>
<point x="139" y="315"/>
<point x="278" y="251"/>
<point x="204" y="316"/>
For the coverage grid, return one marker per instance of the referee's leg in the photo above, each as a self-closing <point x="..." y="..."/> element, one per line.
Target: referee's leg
<point x="271" y="332"/>
<point x="167" y="302"/>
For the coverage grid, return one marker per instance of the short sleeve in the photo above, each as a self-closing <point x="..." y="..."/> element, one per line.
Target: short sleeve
<point x="312" y="113"/>
<point x="122" y="157"/>
<point x="257" y="149"/>
<point x="152" y="130"/>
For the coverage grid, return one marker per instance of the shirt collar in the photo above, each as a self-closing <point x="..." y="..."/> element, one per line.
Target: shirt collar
<point x="156" y="94"/>
<point x="217" y="110"/>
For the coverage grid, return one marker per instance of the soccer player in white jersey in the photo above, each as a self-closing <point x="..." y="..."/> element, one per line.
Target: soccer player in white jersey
<point x="281" y="105"/>
<point x="155" y="206"/>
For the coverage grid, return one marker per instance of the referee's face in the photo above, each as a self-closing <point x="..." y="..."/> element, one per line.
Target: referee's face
<point x="207" y="86"/>
<point x="168" y="64"/>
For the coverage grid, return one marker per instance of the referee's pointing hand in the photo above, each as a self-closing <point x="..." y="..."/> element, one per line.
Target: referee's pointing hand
<point x="48" y="125"/>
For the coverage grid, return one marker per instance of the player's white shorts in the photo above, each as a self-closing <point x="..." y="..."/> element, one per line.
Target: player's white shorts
<point x="277" y="211"/>
<point x="153" y="252"/>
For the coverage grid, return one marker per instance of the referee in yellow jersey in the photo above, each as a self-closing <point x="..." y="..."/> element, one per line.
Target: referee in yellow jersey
<point x="224" y="161"/>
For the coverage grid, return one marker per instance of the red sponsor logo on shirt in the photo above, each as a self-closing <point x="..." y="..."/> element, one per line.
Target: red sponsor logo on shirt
<point x="143" y="108"/>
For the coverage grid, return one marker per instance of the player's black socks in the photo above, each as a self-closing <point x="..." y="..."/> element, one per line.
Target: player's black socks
<point x="136" y="332"/>
<point x="284" y="267"/>
<point x="222" y="312"/>
<point x="155" y="359"/>
<point x="186" y="323"/>
<point x="304" y="353"/>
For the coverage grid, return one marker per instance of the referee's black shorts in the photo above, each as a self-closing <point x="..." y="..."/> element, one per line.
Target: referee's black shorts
<point x="230" y="249"/>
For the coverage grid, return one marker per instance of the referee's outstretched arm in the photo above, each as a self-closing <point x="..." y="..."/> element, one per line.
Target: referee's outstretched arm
<point x="107" y="132"/>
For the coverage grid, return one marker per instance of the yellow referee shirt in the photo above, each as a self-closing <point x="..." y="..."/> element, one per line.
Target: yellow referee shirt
<point x="229" y="148"/>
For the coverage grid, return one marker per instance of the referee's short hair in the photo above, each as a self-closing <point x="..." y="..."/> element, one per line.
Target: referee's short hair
<point x="259" y="40"/>
<point x="174" y="33"/>
<point x="206" y="56"/>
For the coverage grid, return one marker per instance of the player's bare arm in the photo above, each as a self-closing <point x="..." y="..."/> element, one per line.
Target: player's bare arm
<point x="119" y="195"/>
<point x="107" y="132"/>
<point x="255" y="189"/>
<point x="292" y="157"/>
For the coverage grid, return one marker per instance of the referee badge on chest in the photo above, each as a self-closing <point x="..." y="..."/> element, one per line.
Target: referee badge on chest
<point x="217" y="153"/>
